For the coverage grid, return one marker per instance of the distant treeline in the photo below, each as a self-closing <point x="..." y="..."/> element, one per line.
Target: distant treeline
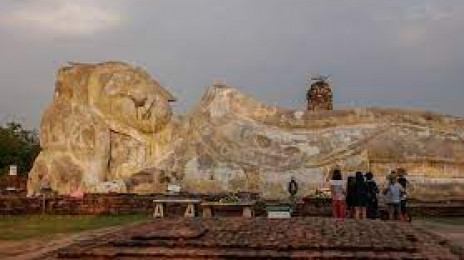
<point x="18" y="146"/>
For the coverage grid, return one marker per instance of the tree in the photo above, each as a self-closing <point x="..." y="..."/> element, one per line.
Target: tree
<point x="18" y="146"/>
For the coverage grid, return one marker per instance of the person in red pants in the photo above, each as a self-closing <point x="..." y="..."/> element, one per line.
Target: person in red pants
<point x="338" y="191"/>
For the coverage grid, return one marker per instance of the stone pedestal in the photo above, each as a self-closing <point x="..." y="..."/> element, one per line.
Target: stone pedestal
<point x="159" y="211"/>
<point x="207" y="213"/>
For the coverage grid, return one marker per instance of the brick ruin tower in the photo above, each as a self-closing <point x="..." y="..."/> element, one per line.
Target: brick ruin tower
<point x="319" y="95"/>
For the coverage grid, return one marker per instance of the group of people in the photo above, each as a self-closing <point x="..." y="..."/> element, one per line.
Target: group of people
<point x="358" y="196"/>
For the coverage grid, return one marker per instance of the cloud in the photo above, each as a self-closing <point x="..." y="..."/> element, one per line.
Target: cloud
<point x="429" y="12"/>
<point x="423" y="12"/>
<point x="412" y="36"/>
<point x="62" y="17"/>
<point x="419" y="23"/>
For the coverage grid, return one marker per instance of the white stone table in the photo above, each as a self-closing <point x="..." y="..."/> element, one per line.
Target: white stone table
<point x="247" y="208"/>
<point x="189" y="211"/>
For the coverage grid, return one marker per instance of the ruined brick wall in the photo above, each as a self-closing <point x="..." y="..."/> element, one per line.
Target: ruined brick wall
<point x="99" y="204"/>
<point x="91" y="204"/>
<point x="119" y="204"/>
<point x="13" y="181"/>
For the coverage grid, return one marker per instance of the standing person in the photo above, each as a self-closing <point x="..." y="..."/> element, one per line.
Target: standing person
<point x="403" y="209"/>
<point x="292" y="188"/>
<point x="372" y="201"/>
<point x="360" y="196"/>
<point x="338" y="191"/>
<point x="350" y="183"/>
<point x="393" y="197"/>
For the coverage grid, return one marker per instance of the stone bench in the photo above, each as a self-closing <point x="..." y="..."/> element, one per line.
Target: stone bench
<point x="246" y="207"/>
<point x="189" y="211"/>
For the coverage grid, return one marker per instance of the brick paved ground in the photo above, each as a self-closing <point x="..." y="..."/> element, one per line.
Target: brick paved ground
<point x="298" y="238"/>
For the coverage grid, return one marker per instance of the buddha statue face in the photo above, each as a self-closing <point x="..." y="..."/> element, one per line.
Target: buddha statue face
<point x="320" y="96"/>
<point x="130" y="98"/>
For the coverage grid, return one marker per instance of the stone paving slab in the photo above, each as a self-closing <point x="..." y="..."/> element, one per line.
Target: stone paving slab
<point x="260" y="238"/>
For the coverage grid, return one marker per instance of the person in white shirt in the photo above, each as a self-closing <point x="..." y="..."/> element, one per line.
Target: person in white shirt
<point x="338" y="191"/>
<point x="393" y="193"/>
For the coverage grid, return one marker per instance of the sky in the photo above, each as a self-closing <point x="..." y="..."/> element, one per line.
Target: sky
<point x="395" y="53"/>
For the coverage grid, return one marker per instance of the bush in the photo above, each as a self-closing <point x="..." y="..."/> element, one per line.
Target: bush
<point x="18" y="146"/>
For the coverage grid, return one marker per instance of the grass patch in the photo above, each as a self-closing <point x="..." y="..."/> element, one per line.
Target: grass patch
<point x="451" y="221"/>
<point x="455" y="221"/>
<point x="25" y="227"/>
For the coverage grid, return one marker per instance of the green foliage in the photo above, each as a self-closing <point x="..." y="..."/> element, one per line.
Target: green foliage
<point x="18" y="146"/>
<point x="230" y="198"/>
<point x="318" y="194"/>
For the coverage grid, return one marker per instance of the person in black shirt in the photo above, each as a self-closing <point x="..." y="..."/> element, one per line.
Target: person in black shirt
<point x="292" y="188"/>
<point x="372" y="191"/>
<point x="350" y="183"/>
<point x="360" y="196"/>
<point x="403" y="207"/>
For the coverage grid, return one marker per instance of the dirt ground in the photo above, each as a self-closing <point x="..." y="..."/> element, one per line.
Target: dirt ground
<point x="451" y="229"/>
<point x="37" y="247"/>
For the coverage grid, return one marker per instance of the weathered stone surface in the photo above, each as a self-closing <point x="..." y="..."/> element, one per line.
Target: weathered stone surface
<point x="319" y="95"/>
<point x="111" y="122"/>
<point x="105" y="123"/>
